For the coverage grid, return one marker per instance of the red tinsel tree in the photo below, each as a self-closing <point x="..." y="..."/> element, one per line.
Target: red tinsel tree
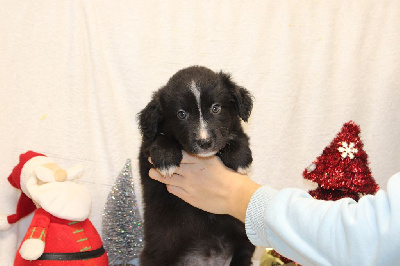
<point x="342" y="169"/>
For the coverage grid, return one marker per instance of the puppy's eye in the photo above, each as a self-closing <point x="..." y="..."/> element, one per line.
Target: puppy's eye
<point x="182" y="114"/>
<point x="216" y="108"/>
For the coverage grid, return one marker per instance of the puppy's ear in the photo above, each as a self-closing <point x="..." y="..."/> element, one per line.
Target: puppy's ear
<point x="150" y="118"/>
<point x="242" y="97"/>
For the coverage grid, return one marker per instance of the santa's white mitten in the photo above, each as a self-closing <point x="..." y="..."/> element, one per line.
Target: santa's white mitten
<point x="32" y="249"/>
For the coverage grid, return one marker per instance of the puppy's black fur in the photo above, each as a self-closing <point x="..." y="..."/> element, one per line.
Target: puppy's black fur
<point x="198" y="111"/>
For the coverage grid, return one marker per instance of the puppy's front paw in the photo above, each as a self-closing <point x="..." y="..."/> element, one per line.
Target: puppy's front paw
<point x="167" y="171"/>
<point x="237" y="157"/>
<point x="241" y="165"/>
<point x="166" y="160"/>
<point x="244" y="170"/>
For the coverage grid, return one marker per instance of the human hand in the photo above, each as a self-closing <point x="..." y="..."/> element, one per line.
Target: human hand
<point x="206" y="183"/>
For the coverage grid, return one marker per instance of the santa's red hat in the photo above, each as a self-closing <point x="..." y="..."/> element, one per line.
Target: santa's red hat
<point x="20" y="178"/>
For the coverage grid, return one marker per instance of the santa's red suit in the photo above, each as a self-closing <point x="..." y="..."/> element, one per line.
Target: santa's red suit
<point x="60" y="232"/>
<point x="67" y="242"/>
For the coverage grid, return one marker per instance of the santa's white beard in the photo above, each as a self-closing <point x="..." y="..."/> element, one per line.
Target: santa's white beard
<point x="65" y="200"/>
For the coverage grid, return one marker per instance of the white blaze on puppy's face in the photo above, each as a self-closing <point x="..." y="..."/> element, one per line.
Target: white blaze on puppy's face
<point x="203" y="131"/>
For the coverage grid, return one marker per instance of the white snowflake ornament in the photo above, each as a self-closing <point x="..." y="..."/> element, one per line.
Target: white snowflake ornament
<point x="348" y="149"/>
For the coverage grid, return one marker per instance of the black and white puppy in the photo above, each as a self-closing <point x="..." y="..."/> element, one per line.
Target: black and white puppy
<point x="198" y="111"/>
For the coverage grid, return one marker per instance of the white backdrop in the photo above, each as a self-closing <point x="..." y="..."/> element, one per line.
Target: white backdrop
<point x="74" y="74"/>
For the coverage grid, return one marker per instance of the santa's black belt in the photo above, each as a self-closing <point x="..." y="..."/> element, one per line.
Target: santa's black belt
<point x="85" y="255"/>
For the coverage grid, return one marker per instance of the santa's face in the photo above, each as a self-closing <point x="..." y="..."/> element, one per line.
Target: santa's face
<point x="65" y="198"/>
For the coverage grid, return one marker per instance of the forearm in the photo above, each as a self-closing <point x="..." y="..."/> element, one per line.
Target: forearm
<point x="316" y="232"/>
<point x="239" y="197"/>
<point x="272" y="221"/>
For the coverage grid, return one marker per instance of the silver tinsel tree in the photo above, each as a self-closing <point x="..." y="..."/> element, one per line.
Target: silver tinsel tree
<point x="122" y="223"/>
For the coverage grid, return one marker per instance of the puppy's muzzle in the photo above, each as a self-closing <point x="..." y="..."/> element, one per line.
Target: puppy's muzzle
<point x="205" y="144"/>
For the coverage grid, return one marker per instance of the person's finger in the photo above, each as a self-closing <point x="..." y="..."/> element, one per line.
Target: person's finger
<point x="154" y="174"/>
<point x="188" y="158"/>
<point x="168" y="180"/>
<point x="150" y="161"/>
<point x="177" y="191"/>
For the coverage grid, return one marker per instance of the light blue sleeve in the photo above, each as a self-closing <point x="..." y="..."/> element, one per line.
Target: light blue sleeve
<point x="316" y="232"/>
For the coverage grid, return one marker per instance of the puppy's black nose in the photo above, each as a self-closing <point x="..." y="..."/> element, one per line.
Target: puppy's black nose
<point x="204" y="143"/>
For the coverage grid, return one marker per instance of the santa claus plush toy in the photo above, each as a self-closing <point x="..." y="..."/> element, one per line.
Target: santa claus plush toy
<point x="60" y="232"/>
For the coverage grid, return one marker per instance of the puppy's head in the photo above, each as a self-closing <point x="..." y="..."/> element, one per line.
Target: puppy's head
<point x="198" y="108"/>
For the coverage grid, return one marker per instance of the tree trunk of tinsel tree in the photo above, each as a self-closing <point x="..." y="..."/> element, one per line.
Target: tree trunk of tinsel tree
<point x="122" y="223"/>
<point x="342" y="170"/>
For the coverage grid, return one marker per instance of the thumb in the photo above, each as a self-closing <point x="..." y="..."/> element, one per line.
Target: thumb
<point x="179" y="192"/>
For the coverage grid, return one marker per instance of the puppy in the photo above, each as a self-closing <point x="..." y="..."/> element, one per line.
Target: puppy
<point x="198" y="111"/>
